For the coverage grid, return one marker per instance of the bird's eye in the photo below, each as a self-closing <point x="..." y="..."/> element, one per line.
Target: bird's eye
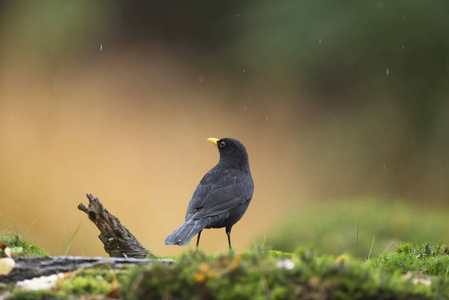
<point x="222" y="144"/>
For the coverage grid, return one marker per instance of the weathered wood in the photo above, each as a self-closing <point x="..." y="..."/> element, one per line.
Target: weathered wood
<point x="116" y="238"/>
<point x="30" y="267"/>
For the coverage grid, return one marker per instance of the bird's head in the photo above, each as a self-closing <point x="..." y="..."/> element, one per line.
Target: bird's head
<point x="232" y="153"/>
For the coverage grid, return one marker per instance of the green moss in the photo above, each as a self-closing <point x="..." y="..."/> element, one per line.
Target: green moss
<point x="87" y="285"/>
<point x="425" y="259"/>
<point x="6" y="287"/>
<point x="38" y="295"/>
<point x="271" y="275"/>
<point x="21" y="247"/>
<point x="262" y="274"/>
<point x="97" y="281"/>
<point x="279" y="254"/>
<point x="413" y="271"/>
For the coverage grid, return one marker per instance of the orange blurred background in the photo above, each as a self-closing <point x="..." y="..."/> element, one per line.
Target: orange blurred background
<point x="86" y="107"/>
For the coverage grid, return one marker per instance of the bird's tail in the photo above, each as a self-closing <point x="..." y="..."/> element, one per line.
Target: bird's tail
<point x="184" y="233"/>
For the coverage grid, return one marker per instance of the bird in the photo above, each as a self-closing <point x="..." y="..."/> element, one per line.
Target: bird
<point x="222" y="196"/>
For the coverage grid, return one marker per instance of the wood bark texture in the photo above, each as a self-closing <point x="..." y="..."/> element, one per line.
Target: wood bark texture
<point x="116" y="238"/>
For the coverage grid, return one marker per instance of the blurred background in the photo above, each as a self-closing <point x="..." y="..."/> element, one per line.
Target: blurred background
<point x="342" y="106"/>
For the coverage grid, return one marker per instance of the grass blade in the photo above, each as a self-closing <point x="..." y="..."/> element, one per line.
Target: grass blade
<point x="371" y="248"/>
<point x="67" y="247"/>
<point x="357" y="245"/>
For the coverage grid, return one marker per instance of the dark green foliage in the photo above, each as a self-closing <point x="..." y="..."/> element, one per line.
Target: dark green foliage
<point x="332" y="227"/>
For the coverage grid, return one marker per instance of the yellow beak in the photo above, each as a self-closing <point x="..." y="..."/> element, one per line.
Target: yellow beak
<point x="213" y="140"/>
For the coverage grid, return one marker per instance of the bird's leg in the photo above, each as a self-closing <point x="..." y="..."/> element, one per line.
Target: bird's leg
<point x="228" y="233"/>
<point x="198" y="239"/>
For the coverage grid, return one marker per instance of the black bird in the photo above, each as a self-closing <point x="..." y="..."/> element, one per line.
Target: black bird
<point x="222" y="196"/>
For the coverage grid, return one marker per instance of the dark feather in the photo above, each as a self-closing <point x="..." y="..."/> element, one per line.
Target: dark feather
<point x="222" y="196"/>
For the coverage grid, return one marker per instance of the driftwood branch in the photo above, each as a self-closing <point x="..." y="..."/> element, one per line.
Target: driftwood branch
<point x="117" y="240"/>
<point x="30" y="267"/>
<point x="121" y="245"/>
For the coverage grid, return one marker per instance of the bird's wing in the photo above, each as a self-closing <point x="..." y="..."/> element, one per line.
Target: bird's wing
<point x="218" y="192"/>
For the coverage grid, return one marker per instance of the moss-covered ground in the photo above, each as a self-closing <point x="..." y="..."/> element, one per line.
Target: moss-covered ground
<point x="417" y="269"/>
<point x="21" y="247"/>
<point x="413" y="271"/>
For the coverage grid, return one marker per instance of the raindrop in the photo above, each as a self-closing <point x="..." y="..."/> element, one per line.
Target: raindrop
<point x="319" y="41"/>
<point x="243" y="70"/>
<point x="238" y="15"/>
<point x="388" y="71"/>
<point x="101" y="47"/>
